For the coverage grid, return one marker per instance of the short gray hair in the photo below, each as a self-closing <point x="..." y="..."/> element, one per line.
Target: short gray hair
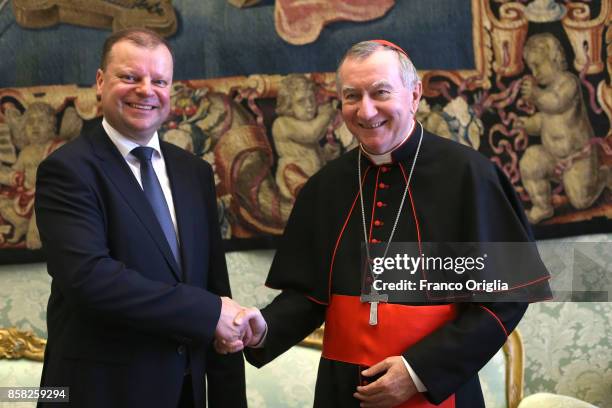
<point x="364" y="49"/>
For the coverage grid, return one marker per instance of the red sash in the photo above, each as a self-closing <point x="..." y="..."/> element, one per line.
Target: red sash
<point x="348" y="337"/>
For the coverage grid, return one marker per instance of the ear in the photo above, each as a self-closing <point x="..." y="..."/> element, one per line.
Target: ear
<point x="417" y="92"/>
<point x="99" y="82"/>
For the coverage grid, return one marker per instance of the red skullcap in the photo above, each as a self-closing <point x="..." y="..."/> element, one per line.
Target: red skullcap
<point x="394" y="46"/>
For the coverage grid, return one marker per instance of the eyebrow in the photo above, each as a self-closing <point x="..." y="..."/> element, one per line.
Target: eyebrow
<point x="381" y="84"/>
<point x="347" y="89"/>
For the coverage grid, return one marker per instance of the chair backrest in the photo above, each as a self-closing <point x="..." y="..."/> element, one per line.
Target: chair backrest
<point x="515" y="366"/>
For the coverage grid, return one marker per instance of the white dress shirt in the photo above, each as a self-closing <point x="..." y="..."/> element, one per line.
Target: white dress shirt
<point x="125" y="146"/>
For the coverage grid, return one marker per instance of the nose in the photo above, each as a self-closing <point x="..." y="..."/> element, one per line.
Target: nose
<point x="367" y="109"/>
<point x="144" y="87"/>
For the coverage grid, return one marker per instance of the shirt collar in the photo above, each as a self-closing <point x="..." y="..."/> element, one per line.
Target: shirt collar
<point x="125" y="145"/>
<point x="393" y="154"/>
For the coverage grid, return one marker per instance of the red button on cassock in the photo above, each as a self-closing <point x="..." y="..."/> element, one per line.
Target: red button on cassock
<point x="378" y="223"/>
<point x="384" y="169"/>
<point x="374" y="241"/>
<point x="383" y="185"/>
<point x="380" y="204"/>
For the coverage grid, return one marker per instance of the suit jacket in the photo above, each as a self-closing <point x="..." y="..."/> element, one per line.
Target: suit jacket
<point x="125" y="322"/>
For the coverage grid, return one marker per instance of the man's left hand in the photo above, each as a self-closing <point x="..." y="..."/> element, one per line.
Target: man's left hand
<point x="393" y="388"/>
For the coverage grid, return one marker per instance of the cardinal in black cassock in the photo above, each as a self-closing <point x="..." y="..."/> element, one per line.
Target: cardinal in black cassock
<point x="452" y="194"/>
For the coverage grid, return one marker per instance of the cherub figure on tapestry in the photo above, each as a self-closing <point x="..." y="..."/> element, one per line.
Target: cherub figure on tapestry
<point x="34" y="135"/>
<point x="456" y="121"/>
<point x="298" y="133"/>
<point x="205" y="115"/>
<point x="566" y="154"/>
<point x="198" y="120"/>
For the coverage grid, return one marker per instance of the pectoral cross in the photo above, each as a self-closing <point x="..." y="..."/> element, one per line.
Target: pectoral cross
<point x="374" y="298"/>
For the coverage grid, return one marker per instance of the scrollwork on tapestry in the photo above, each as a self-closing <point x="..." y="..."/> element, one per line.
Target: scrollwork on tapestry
<point x="538" y="103"/>
<point x="157" y="15"/>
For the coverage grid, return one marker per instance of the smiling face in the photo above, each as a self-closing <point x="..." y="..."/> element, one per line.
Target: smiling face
<point x="376" y="105"/>
<point x="135" y="89"/>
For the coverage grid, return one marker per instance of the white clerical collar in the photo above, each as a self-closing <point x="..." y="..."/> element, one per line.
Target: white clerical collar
<point x="385" y="158"/>
<point x="126" y="145"/>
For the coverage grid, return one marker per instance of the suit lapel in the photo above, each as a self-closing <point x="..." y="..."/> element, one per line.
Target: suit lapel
<point x="182" y="189"/>
<point x="119" y="173"/>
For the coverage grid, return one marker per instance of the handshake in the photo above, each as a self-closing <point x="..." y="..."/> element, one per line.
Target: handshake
<point x="238" y="327"/>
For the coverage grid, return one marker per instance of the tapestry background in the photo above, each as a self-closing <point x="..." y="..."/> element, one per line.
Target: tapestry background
<point x="526" y="83"/>
<point x="215" y="39"/>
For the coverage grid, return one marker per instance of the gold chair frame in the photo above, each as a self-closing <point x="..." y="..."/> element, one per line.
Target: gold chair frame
<point x="16" y="344"/>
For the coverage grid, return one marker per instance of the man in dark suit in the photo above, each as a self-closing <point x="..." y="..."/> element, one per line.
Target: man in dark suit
<point x="129" y="227"/>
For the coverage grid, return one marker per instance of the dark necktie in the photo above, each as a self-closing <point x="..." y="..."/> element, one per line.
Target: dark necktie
<point x="155" y="195"/>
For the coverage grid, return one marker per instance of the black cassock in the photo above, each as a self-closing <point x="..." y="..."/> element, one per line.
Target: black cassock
<point x="456" y="195"/>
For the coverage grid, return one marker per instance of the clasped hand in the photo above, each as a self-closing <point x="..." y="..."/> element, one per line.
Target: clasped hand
<point x="391" y="389"/>
<point x="238" y="327"/>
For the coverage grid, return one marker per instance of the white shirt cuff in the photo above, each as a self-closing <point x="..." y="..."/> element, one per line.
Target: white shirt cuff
<point x="415" y="378"/>
<point x="262" y="340"/>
